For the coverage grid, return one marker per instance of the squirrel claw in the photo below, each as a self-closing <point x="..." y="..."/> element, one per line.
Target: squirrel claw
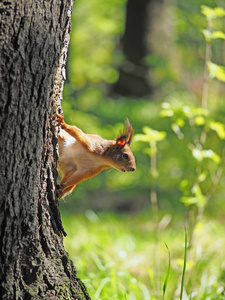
<point x="60" y="120"/>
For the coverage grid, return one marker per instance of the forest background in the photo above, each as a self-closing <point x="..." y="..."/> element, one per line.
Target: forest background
<point x="169" y="82"/>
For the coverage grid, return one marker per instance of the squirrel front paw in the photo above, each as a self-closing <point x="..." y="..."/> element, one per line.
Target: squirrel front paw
<point x="60" y="121"/>
<point x="59" y="192"/>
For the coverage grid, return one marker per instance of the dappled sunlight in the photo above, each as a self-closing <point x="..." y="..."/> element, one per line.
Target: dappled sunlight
<point x="127" y="234"/>
<point x="127" y="250"/>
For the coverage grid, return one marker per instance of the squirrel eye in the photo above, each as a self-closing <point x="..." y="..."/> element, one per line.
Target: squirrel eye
<point x="125" y="155"/>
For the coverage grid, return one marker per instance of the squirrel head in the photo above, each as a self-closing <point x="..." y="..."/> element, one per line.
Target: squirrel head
<point x="119" y="154"/>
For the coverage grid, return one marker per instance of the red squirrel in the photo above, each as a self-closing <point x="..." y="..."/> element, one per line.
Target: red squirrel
<point x="82" y="156"/>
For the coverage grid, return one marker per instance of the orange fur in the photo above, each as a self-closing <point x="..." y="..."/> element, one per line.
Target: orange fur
<point x="82" y="156"/>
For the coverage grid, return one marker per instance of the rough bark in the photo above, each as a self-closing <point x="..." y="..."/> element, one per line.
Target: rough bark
<point x="33" y="42"/>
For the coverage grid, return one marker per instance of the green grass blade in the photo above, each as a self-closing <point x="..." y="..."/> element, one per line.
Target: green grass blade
<point x="101" y="286"/>
<point x="167" y="274"/>
<point x="184" y="266"/>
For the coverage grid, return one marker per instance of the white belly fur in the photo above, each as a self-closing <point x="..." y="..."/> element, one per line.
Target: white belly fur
<point x="74" y="156"/>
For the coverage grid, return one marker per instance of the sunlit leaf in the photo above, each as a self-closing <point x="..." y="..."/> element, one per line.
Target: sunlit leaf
<point x="196" y="190"/>
<point x="202" y="177"/>
<point x="141" y="138"/>
<point x="180" y="122"/>
<point x="212" y="13"/>
<point x="184" y="185"/>
<point x="199" y="120"/>
<point x="199" y="111"/>
<point x="219" y="128"/>
<point x="207" y="34"/>
<point x="211" y="154"/>
<point x="197" y="154"/>
<point x="154" y="135"/>
<point x="216" y="71"/>
<point x="167" y="113"/>
<point x="199" y="201"/>
<point x="218" y="35"/>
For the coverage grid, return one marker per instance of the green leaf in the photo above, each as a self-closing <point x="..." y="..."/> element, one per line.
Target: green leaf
<point x="216" y="71"/>
<point x="202" y="177"/>
<point x="211" y="154"/>
<point x="167" y="113"/>
<point x="218" y="35"/>
<point x="141" y="138"/>
<point x="218" y="128"/>
<point x="208" y="35"/>
<point x="184" y="185"/>
<point x="196" y="190"/>
<point x="213" y="35"/>
<point x="180" y="122"/>
<point x="199" y="120"/>
<point x="212" y="13"/>
<point x="199" y="155"/>
<point x="219" y="12"/>
<point x="150" y="135"/>
<point x="199" y="201"/>
<point x="154" y="135"/>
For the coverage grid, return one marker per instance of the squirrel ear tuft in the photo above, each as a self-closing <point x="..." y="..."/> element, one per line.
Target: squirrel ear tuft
<point x="128" y="132"/>
<point x="121" y="140"/>
<point x="126" y="136"/>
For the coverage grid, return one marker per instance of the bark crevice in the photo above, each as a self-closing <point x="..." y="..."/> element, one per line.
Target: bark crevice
<point x="34" y="37"/>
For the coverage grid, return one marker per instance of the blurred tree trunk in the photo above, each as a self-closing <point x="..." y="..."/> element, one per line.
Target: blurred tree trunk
<point x="34" y="36"/>
<point x="133" y="74"/>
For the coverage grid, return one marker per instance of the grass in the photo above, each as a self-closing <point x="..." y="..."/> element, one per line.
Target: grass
<point x="184" y="266"/>
<point x="124" y="256"/>
<point x="167" y="275"/>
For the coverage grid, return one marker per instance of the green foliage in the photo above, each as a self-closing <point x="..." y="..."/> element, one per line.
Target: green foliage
<point x="212" y="13"/>
<point x="209" y="36"/>
<point x="150" y="135"/>
<point x="176" y="135"/>
<point x="211" y="33"/>
<point x="216" y="71"/>
<point x="208" y="161"/>
<point x="124" y="257"/>
<point x="93" y="41"/>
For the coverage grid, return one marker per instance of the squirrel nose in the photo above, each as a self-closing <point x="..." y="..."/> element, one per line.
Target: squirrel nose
<point x="133" y="169"/>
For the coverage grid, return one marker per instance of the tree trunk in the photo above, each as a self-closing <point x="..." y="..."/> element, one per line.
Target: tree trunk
<point x="133" y="74"/>
<point x="34" y="36"/>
